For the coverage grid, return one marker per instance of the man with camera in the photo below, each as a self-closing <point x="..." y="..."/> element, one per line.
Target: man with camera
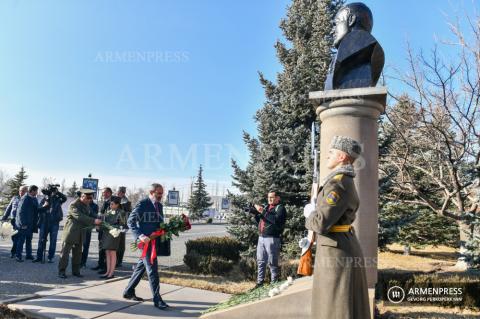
<point x="11" y="213"/>
<point x="49" y="221"/>
<point x="26" y="222"/>
<point x="271" y="222"/>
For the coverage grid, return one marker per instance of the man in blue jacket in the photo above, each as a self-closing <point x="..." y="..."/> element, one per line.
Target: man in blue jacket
<point x="145" y="219"/>
<point x="12" y="211"/>
<point x="26" y="221"/>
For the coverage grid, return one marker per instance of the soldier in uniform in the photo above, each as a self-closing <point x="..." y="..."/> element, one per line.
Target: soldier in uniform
<point x="339" y="283"/>
<point x="78" y="220"/>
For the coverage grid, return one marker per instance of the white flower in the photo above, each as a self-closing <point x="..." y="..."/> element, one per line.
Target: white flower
<point x="290" y="280"/>
<point x="284" y="286"/>
<point x="7" y="230"/>
<point x="308" y="210"/>
<point x="273" y="292"/>
<point x="115" y="232"/>
<point x="304" y="243"/>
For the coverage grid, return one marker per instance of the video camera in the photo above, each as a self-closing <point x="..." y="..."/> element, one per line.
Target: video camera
<point x="51" y="189"/>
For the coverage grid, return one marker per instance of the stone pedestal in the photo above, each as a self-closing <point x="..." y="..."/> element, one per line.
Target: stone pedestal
<point x="354" y="113"/>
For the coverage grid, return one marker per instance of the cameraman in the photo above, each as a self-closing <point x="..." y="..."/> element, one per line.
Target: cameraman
<point x="271" y="222"/>
<point x="49" y="222"/>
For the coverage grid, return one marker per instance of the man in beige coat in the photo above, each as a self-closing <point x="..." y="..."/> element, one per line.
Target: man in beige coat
<point x="339" y="283"/>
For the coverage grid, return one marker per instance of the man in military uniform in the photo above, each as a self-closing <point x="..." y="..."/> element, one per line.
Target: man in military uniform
<point x="127" y="208"/>
<point x="78" y="220"/>
<point x="339" y="283"/>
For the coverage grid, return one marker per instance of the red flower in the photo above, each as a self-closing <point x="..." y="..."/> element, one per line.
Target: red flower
<point x="186" y="221"/>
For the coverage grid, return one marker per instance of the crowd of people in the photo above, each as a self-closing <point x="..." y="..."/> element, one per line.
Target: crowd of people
<point x="28" y="216"/>
<point x="111" y="219"/>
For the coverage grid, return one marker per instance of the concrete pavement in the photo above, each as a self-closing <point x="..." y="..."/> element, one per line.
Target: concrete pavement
<point x="24" y="279"/>
<point x="105" y="301"/>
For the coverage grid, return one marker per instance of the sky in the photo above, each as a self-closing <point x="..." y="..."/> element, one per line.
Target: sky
<point x="140" y="91"/>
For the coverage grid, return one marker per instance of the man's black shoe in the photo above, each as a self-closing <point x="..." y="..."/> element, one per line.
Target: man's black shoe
<point x="20" y="260"/>
<point x="96" y="268"/>
<point x="162" y="305"/>
<point x="132" y="297"/>
<point x="37" y="260"/>
<point x="62" y="275"/>
<point x="258" y="285"/>
<point x="77" y="275"/>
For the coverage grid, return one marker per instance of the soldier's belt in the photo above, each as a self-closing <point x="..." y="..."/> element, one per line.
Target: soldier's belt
<point x="340" y="228"/>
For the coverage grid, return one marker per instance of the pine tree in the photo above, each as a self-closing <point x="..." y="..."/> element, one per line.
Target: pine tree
<point x="279" y="156"/>
<point x="72" y="191"/>
<point x="12" y="186"/>
<point x="199" y="199"/>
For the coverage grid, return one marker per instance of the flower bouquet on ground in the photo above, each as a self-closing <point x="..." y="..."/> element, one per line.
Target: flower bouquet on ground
<point x="7" y="230"/>
<point x="175" y="226"/>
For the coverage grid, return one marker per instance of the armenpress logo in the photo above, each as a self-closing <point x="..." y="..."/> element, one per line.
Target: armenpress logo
<point x="396" y="294"/>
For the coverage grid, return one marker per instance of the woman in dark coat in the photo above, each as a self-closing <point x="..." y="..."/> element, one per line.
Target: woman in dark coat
<point x="116" y="219"/>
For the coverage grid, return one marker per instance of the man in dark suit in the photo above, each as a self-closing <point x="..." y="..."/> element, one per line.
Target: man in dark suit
<point x="144" y="220"/>
<point x="127" y="208"/>
<point x="26" y="221"/>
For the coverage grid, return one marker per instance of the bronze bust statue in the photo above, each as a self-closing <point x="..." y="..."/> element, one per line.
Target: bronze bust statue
<point x="359" y="59"/>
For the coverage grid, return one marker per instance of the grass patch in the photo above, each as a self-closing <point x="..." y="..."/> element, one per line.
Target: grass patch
<point x="231" y="283"/>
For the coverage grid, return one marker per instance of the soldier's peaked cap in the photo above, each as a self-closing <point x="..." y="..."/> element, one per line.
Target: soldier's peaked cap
<point x="86" y="191"/>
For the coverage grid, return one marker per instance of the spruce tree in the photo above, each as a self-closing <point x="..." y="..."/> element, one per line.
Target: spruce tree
<point x="279" y="155"/>
<point x="12" y="187"/>
<point x="72" y="191"/>
<point x="199" y="199"/>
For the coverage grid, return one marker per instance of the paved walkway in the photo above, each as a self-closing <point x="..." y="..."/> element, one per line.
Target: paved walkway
<point x="104" y="300"/>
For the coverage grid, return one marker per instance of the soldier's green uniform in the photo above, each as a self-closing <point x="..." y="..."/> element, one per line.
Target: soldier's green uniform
<point x="340" y="288"/>
<point x="78" y="220"/>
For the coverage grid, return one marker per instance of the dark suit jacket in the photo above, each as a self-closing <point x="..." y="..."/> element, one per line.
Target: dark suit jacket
<point x="144" y="220"/>
<point x="358" y="63"/>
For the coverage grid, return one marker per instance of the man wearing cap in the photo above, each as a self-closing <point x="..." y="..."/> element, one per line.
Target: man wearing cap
<point x="78" y="221"/>
<point x="127" y="208"/>
<point x="339" y="282"/>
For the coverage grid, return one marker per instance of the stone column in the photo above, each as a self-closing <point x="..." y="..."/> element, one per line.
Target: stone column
<point x="354" y="113"/>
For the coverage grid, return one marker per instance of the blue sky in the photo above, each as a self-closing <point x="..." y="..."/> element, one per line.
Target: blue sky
<point x="140" y="91"/>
